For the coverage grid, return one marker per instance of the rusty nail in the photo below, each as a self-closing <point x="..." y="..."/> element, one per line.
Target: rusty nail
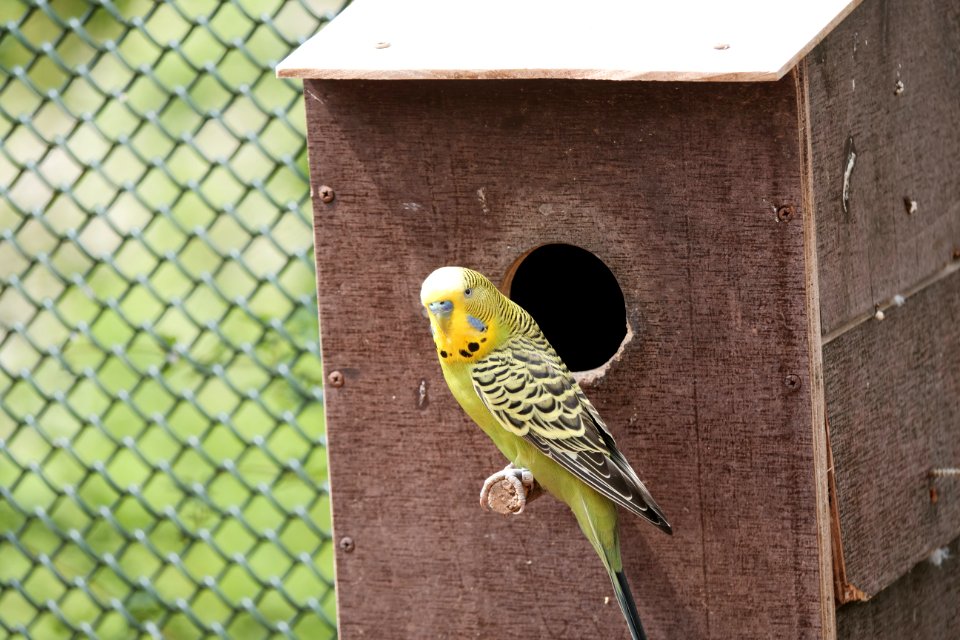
<point x="934" y="495"/>
<point x="346" y="544"/>
<point x="326" y="194"/>
<point x="792" y="382"/>
<point x="786" y="212"/>
<point x="335" y="379"/>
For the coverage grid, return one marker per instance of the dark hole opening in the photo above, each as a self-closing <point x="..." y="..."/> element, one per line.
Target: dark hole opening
<point x="575" y="299"/>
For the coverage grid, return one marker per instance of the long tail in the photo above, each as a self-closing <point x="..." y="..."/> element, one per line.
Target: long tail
<point x="597" y="516"/>
<point x="627" y="605"/>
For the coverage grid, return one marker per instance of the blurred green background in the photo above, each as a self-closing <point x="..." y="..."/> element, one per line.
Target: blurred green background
<point x="162" y="449"/>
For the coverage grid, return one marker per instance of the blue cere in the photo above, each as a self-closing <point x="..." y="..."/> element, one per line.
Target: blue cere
<point x="441" y="307"/>
<point x="476" y="323"/>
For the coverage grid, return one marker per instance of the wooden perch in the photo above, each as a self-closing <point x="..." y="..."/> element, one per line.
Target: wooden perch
<point x="502" y="497"/>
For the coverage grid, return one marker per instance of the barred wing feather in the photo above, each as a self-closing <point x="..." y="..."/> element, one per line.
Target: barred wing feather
<point x="531" y="393"/>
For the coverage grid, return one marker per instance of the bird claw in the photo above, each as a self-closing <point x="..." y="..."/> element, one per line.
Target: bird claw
<point x="521" y="480"/>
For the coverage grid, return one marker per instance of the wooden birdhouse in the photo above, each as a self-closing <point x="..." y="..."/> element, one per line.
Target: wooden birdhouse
<point x="740" y="221"/>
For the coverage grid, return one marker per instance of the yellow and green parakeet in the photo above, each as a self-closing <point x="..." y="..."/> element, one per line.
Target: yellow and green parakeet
<point x="510" y="381"/>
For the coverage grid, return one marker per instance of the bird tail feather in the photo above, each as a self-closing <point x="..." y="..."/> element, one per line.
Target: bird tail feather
<point x="627" y="605"/>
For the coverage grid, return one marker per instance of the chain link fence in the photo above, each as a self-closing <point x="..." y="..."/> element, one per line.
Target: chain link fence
<point x="162" y="462"/>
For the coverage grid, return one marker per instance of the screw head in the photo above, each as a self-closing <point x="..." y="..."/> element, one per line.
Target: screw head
<point x="792" y="382"/>
<point x="335" y="379"/>
<point x="346" y="544"/>
<point x="326" y="194"/>
<point x="786" y="212"/>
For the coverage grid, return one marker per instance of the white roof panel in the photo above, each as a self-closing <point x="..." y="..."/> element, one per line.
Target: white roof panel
<point x="686" y="40"/>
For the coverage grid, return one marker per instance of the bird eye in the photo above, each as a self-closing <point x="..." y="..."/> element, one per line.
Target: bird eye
<point x="468" y="292"/>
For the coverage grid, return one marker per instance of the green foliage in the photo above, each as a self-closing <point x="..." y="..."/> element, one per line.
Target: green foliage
<point x="162" y="448"/>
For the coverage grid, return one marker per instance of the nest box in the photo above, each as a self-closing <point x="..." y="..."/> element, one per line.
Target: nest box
<point x="740" y="220"/>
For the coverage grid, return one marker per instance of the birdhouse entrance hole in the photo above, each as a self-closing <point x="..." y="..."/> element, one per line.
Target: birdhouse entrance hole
<point x="575" y="299"/>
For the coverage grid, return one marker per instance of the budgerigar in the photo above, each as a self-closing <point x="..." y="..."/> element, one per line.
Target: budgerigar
<point x="510" y="381"/>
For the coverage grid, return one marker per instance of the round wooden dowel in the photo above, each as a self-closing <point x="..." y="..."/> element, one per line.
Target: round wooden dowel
<point x="502" y="497"/>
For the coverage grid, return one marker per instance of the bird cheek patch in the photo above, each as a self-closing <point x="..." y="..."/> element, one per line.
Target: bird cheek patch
<point x="476" y="323"/>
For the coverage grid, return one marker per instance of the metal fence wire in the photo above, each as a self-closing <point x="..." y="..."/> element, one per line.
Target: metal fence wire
<point x="162" y="448"/>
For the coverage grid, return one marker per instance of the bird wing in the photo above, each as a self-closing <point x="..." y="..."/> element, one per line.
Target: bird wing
<point x="532" y="394"/>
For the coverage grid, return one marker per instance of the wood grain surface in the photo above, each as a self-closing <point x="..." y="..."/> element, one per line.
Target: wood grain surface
<point x="831" y="561"/>
<point x="675" y="187"/>
<point x="924" y="603"/>
<point x="885" y="112"/>
<point x="893" y="399"/>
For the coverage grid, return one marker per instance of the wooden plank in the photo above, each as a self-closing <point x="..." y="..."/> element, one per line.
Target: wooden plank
<point x="606" y="40"/>
<point x="674" y="186"/>
<point x="921" y="604"/>
<point x="844" y="591"/>
<point x="893" y="399"/>
<point x="885" y="115"/>
<point x="820" y="439"/>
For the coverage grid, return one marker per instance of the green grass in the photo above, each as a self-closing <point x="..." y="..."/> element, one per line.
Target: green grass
<point x="162" y="454"/>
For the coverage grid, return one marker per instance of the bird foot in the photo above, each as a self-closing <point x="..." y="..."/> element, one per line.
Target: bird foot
<point x="519" y="480"/>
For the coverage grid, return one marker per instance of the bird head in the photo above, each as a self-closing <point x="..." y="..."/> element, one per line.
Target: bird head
<point x="461" y="305"/>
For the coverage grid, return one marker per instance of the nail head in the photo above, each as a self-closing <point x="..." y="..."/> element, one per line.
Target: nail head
<point x="786" y="212"/>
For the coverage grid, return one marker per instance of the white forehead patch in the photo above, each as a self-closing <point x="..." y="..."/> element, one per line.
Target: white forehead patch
<point x="441" y="281"/>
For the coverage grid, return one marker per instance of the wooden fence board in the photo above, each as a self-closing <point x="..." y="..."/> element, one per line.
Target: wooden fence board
<point x="885" y="119"/>
<point x="893" y="401"/>
<point x="925" y="603"/>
